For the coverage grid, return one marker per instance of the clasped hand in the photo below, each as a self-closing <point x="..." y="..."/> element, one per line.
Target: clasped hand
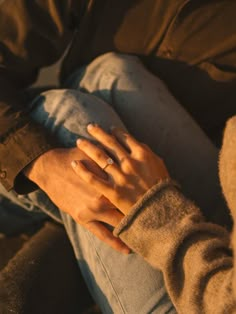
<point x="131" y="167"/>
<point x="110" y="179"/>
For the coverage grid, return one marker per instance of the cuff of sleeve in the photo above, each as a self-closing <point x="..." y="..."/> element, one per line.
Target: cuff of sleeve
<point x="163" y="204"/>
<point x="157" y="222"/>
<point x="17" y="151"/>
<point x="144" y="202"/>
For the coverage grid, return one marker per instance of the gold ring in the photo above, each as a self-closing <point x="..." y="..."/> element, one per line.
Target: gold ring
<point x="109" y="161"/>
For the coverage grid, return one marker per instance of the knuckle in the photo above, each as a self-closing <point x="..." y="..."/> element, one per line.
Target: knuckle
<point x="80" y="217"/>
<point x="98" y="206"/>
<point x="129" y="165"/>
<point x="127" y="160"/>
<point x="122" y="180"/>
<point x="142" y="153"/>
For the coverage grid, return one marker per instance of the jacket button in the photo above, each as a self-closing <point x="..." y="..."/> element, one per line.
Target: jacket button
<point x="3" y="174"/>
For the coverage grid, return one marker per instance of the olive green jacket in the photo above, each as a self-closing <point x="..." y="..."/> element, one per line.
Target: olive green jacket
<point x="189" y="44"/>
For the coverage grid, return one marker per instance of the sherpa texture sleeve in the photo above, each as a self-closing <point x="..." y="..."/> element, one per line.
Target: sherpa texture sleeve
<point x="169" y="231"/>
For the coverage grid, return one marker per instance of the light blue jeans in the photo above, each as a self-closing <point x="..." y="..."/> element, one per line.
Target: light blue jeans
<point x="114" y="88"/>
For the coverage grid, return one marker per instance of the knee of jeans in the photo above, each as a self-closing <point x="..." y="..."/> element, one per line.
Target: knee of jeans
<point x="58" y="104"/>
<point x="66" y="113"/>
<point x="118" y="63"/>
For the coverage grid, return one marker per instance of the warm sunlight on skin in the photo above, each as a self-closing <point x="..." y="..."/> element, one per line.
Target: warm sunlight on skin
<point x="131" y="167"/>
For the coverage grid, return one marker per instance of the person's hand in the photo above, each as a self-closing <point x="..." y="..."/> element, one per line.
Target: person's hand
<point x="131" y="167"/>
<point x="52" y="172"/>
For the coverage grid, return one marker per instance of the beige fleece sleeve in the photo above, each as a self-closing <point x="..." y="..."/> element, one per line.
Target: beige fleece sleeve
<point x="227" y="167"/>
<point x="169" y="231"/>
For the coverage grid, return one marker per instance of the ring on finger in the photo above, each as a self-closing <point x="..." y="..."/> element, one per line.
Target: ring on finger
<point x="109" y="162"/>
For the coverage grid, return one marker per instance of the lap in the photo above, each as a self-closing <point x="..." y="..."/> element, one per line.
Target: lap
<point x="156" y="118"/>
<point x="111" y="277"/>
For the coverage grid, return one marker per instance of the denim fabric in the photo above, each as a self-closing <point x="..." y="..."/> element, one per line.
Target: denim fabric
<point x="119" y="284"/>
<point x="124" y="284"/>
<point x="155" y="117"/>
<point x="111" y="277"/>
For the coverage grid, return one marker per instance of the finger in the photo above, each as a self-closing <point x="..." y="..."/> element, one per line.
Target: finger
<point x="108" y="141"/>
<point x="99" y="156"/>
<point x="105" y="235"/>
<point x="93" y="167"/>
<point x="110" y="216"/>
<point x="128" y="141"/>
<point x="101" y="185"/>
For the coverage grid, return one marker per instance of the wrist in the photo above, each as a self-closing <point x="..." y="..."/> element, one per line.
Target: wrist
<point x="34" y="170"/>
<point x="50" y="165"/>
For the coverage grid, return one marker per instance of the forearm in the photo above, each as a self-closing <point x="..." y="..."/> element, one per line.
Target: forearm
<point x="170" y="233"/>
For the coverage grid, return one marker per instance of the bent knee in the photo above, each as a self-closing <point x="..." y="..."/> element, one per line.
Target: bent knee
<point x="67" y="112"/>
<point x="117" y="63"/>
<point x="62" y="103"/>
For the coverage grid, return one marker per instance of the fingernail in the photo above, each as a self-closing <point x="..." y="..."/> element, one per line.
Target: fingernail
<point x="79" y="141"/>
<point x="126" y="251"/>
<point x="74" y="163"/>
<point x="90" y="126"/>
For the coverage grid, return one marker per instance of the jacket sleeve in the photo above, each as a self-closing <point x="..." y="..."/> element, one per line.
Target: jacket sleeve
<point x="169" y="231"/>
<point x="33" y="34"/>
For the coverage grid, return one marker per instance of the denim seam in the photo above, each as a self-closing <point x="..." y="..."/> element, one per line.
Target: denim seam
<point x="104" y="270"/>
